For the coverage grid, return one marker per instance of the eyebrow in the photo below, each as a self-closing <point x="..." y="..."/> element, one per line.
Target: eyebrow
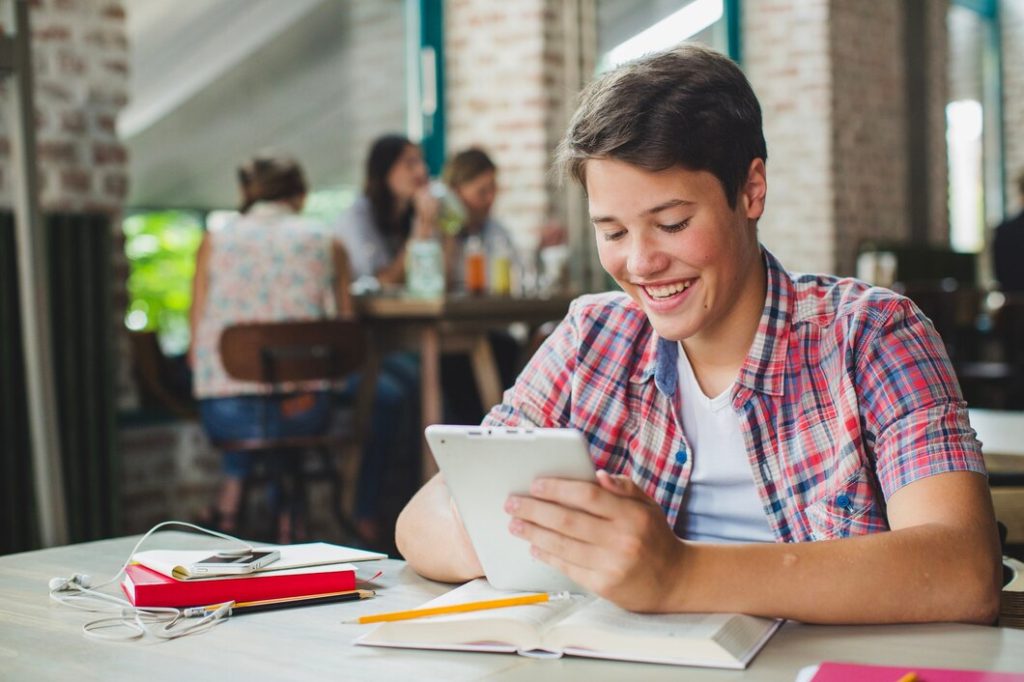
<point x="665" y="205"/>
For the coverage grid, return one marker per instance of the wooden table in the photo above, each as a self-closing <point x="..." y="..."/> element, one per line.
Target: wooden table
<point x="42" y="640"/>
<point x="457" y="323"/>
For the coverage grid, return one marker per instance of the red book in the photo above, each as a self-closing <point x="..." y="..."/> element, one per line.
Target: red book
<point x="146" y="587"/>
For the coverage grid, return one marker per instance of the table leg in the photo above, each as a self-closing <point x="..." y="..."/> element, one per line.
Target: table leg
<point x="485" y="371"/>
<point x="430" y="392"/>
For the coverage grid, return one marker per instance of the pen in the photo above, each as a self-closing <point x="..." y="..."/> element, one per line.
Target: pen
<point x="909" y="677"/>
<point x="284" y="602"/>
<point x="460" y="608"/>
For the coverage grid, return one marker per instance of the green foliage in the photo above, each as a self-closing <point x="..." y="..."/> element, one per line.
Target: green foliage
<point x="161" y="249"/>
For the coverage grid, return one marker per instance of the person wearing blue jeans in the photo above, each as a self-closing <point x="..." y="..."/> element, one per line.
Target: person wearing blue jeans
<point x="393" y="435"/>
<point x="258" y="416"/>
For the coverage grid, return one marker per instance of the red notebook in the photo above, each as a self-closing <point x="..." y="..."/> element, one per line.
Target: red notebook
<point x="146" y="587"/>
<point x="858" y="672"/>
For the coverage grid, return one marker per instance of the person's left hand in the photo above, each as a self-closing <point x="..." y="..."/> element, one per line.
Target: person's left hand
<point x="609" y="537"/>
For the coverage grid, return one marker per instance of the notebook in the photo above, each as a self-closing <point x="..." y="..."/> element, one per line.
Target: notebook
<point x="582" y="625"/>
<point x="175" y="562"/>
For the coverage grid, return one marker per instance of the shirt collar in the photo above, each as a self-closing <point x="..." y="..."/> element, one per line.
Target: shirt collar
<point x="270" y="208"/>
<point x="764" y="368"/>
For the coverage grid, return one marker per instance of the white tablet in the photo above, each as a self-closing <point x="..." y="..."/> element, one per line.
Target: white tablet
<point x="482" y="466"/>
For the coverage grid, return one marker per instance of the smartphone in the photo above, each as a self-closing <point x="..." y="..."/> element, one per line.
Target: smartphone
<point x="234" y="564"/>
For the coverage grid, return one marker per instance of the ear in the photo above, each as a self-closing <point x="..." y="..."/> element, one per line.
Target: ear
<point x="755" y="190"/>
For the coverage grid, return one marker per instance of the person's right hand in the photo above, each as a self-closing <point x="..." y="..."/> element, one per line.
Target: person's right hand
<point x="426" y="207"/>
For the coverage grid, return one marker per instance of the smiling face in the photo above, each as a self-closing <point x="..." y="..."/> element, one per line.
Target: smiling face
<point x="673" y="243"/>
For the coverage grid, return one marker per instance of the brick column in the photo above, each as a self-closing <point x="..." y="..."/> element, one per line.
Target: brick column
<point x="832" y="81"/>
<point x="508" y="69"/>
<point x="80" y="60"/>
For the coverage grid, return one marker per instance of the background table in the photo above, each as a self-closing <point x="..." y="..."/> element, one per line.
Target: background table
<point x="458" y="323"/>
<point x="42" y="640"/>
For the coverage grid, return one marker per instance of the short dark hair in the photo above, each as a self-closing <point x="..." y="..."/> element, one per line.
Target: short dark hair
<point x="467" y="165"/>
<point x="690" y="106"/>
<point x="270" y="176"/>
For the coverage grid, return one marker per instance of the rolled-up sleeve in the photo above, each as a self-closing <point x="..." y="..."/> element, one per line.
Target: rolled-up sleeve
<point x="912" y="408"/>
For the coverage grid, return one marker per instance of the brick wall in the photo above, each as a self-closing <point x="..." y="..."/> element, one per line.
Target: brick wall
<point x="80" y="59"/>
<point x="831" y="78"/>
<point x="869" y="126"/>
<point x="1012" y="24"/>
<point x="787" y="59"/>
<point x="508" y="91"/>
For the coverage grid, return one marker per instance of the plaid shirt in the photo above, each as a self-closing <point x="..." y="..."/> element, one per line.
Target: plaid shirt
<point x="845" y="396"/>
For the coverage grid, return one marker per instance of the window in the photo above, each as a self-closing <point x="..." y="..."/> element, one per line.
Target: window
<point x="161" y="249"/>
<point x="628" y="29"/>
<point x="973" y="123"/>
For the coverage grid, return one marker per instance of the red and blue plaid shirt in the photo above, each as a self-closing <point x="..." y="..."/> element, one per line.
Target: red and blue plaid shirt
<point x="846" y="396"/>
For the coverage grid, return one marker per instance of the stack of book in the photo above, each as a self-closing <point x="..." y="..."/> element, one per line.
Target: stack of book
<point x="161" y="577"/>
<point x="1011" y="607"/>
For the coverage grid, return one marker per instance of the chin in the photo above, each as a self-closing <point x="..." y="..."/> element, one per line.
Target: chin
<point x="671" y="332"/>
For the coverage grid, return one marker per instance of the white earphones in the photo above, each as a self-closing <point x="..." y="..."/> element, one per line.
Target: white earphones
<point x="78" y="580"/>
<point x="78" y="592"/>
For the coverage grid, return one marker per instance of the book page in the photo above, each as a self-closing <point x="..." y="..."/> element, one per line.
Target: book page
<point x="605" y="630"/>
<point x="513" y="627"/>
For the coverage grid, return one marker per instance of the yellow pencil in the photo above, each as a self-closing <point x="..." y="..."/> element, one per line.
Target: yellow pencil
<point x="460" y="608"/>
<point x="909" y="677"/>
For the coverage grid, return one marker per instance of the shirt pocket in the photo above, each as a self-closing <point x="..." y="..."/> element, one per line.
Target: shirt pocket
<point x="849" y="509"/>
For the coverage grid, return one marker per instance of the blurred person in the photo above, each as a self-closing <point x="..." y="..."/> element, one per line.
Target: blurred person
<point x="269" y="264"/>
<point x="472" y="177"/>
<point x="1008" y="248"/>
<point x="396" y="206"/>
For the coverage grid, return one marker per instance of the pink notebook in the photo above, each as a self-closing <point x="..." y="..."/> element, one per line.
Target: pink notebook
<point x="858" y="672"/>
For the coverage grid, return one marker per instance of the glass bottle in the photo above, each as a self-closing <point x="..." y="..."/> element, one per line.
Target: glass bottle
<point x="475" y="265"/>
<point x="424" y="268"/>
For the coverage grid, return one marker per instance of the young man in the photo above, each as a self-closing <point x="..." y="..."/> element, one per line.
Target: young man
<point x="738" y="411"/>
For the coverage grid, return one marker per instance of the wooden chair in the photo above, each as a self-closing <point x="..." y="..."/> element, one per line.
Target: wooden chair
<point x="279" y="353"/>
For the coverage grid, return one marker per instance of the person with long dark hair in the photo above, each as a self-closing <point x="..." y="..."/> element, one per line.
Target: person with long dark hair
<point x="395" y="207"/>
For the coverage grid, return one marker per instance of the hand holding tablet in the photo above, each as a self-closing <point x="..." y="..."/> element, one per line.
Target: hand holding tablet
<point x="482" y="466"/>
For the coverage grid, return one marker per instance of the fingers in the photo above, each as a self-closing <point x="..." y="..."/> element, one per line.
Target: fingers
<point x="603" y="500"/>
<point x="546" y="543"/>
<point x="567" y="522"/>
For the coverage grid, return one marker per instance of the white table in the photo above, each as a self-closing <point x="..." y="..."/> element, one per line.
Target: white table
<point x="42" y="640"/>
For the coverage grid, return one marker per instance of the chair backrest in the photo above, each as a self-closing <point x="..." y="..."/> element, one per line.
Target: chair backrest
<point x="1009" y="323"/>
<point x="274" y="352"/>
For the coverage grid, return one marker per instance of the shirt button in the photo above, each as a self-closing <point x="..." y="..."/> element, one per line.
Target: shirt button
<point x="843" y="501"/>
<point x="681" y="456"/>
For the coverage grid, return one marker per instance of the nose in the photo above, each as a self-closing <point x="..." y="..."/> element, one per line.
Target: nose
<point x="646" y="258"/>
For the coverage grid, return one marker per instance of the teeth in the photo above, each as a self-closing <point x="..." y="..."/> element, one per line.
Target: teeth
<point x="668" y="290"/>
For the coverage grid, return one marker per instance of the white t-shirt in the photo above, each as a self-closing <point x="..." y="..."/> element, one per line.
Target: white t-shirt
<point x="722" y="504"/>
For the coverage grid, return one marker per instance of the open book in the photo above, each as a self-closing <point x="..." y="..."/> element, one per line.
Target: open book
<point x="580" y="626"/>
